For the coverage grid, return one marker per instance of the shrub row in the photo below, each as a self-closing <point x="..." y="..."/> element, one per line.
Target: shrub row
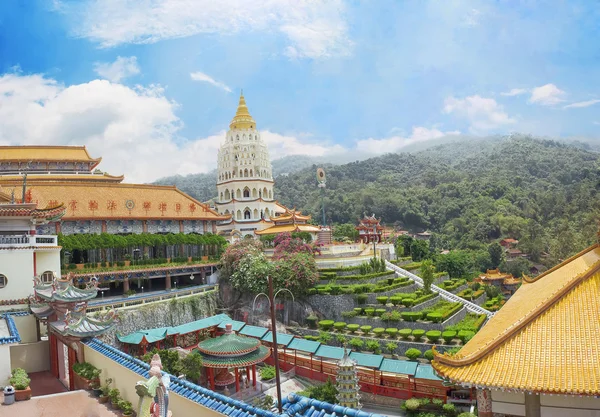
<point x="358" y="277"/>
<point x="333" y="289"/>
<point x="453" y="284"/>
<point x="469" y="294"/>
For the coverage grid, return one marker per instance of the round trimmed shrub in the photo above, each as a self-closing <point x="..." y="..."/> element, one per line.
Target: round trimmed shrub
<point x="435" y="317"/>
<point x="312" y="321"/>
<point x="404" y="333"/>
<point x="379" y="311"/>
<point x="361" y="298"/>
<point x="326" y="324"/>
<point x="365" y="329"/>
<point x="418" y="334"/>
<point x="378" y="331"/>
<point x="373" y="346"/>
<point x="411" y="316"/>
<point x="413" y="404"/>
<point x="396" y="300"/>
<point x="358" y="310"/>
<point x="352" y="327"/>
<point x="448" y="335"/>
<point x="382" y="300"/>
<point x="412" y="354"/>
<point x="369" y="311"/>
<point x="428" y="354"/>
<point x="391" y="332"/>
<point x="433" y="335"/>
<point x="335" y="289"/>
<point x="356" y="343"/>
<point x="408" y="302"/>
<point x="465" y="335"/>
<point x="339" y="326"/>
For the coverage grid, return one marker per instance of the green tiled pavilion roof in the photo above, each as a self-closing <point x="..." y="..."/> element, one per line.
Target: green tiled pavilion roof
<point x="201" y="324"/>
<point x="228" y="345"/>
<point x="235" y="325"/>
<point x="304" y="345"/>
<point x="152" y="336"/>
<point x="282" y="338"/>
<point x="330" y="352"/>
<point x="254" y="331"/>
<point x="252" y="358"/>
<point x="399" y="367"/>
<point x="426" y="372"/>
<point x="367" y="360"/>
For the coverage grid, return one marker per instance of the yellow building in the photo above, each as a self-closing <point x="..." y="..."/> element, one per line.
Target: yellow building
<point x="539" y="355"/>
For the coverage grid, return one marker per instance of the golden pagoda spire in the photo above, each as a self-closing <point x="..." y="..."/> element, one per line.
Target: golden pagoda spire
<point x="242" y="118"/>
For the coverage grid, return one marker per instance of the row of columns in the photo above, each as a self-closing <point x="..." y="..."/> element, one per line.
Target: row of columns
<point x="211" y="377"/>
<point x="168" y="285"/>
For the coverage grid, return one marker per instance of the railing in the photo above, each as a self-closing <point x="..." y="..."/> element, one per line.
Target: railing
<point x="443" y="293"/>
<point x="148" y="298"/>
<point x="28" y="240"/>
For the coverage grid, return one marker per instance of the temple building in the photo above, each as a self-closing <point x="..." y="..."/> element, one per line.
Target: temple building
<point x="538" y="355"/>
<point x="245" y="182"/>
<point x="95" y="201"/>
<point x="293" y="222"/>
<point x="369" y="229"/>
<point x="506" y="283"/>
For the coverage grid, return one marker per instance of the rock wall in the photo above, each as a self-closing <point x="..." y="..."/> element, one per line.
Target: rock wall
<point x="377" y="322"/>
<point x="341" y="281"/>
<point x="165" y="313"/>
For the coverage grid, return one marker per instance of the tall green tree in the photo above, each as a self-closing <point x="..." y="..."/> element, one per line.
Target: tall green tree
<point x="496" y="254"/>
<point x="427" y="274"/>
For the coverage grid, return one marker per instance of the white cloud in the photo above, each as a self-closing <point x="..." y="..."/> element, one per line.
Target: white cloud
<point x="473" y="17"/>
<point x="314" y="29"/>
<point x="484" y="114"/>
<point x="582" y="104"/>
<point x="547" y="95"/>
<point x="200" y="76"/>
<point x="123" y="67"/>
<point x="283" y="145"/>
<point x="515" y="92"/>
<point x="397" y="142"/>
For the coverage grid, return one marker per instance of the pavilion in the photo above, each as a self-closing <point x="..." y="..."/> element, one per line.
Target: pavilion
<point x="369" y="229"/>
<point x="231" y="351"/>
<point x="538" y="355"/>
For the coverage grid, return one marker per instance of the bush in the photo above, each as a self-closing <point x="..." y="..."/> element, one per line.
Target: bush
<point x="418" y="334"/>
<point x="378" y="331"/>
<point x="326" y="324"/>
<point x="391" y="332"/>
<point x="412" y="354"/>
<point x="433" y="335"/>
<point x="467" y="415"/>
<point x="373" y="346"/>
<point x="428" y="354"/>
<point x="86" y="370"/>
<point x="411" y="316"/>
<point x="358" y="310"/>
<point x="349" y="314"/>
<point x="341" y="339"/>
<point x="356" y="343"/>
<point x="379" y="311"/>
<point x="369" y="312"/>
<point x="391" y="347"/>
<point x="324" y="337"/>
<point x="361" y="298"/>
<point x="365" y="329"/>
<point x="19" y="380"/>
<point x="475" y="286"/>
<point x="404" y="333"/>
<point x="352" y="327"/>
<point x="383" y="300"/>
<point x="465" y="335"/>
<point x="449" y="409"/>
<point x="335" y="289"/>
<point x="396" y="300"/>
<point x="435" y="317"/>
<point x="412" y="405"/>
<point x="267" y="372"/>
<point x="312" y="321"/>
<point x="448" y="335"/>
<point x="339" y="326"/>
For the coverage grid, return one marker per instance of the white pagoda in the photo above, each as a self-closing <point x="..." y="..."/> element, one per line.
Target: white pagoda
<point x="347" y="383"/>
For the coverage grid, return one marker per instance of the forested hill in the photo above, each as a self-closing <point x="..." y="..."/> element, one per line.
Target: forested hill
<point x="540" y="191"/>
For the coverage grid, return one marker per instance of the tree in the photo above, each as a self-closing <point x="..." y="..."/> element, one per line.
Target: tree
<point x="496" y="254"/>
<point x="427" y="275"/>
<point x="456" y="263"/>
<point x="516" y="267"/>
<point x="192" y="366"/>
<point x="345" y="231"/>
<point x="419" y="249"/>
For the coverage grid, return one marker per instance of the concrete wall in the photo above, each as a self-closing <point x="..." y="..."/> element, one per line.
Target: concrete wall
<point x="17" y="266"/>
<point x="5" y="368"/>
<point x="27" y="328"/>
<point x="33" y="357"/>
<point x="125" y="380"/>
<point x="48" y="260"/>
<point x="551" y="406"/>
<point x="508" y="403"/>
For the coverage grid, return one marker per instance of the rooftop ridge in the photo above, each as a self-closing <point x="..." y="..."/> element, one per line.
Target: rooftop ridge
<point x="14" y="337"/>
<point x="529" y="280"/>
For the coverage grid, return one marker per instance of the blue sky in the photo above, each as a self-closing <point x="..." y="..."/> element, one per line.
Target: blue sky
<point x="151" y="85"/>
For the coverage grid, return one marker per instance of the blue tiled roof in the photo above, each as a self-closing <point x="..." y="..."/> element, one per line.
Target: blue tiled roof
<point x="12" y="329"/>
<point x="297" y="405"/>
<point x="207" y="398"/>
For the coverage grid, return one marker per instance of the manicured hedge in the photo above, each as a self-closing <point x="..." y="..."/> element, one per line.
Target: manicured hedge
<point x="365" y="329"/>
<point x="358" y="310"/>
<point x="411" y="315"/>
<point x="356" y="277"/>
<point x="448" y="335"/>
<point x="428" y="354"/>
<point x="383" y="300"/>
<point x="336" y="270"/>
<point x="435" y="317"/>
<point x="380" y="311"/>
<point x="378" y="331"/>
<point x="339" y="325"/>
<point x="391" y="331"/>
<point x="362" y="298"/>
<point x="412" y="353"/>
<point x="370" y="312"/>
<point x="352" y="327"/>
<point x="418" y="334"/>
<point x="404" y="333"/>
<point x="312" y="321"/>
<point x="433" y="335"/>
<point x="465" y="335"/>
<point x="326" y="324"/>
<point x="412" y="266"/>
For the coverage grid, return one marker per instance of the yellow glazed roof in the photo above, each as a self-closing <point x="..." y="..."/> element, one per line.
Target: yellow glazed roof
<point x="544" y="339"/>
<point x="46" y="153"/>
<point x="120" y="201"/>
<point x="14" y="179"/>
<point x="288" y="228"/>
<point x="242" y="118"/>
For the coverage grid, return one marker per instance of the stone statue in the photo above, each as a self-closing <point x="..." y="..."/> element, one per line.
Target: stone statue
<point x="154" y="393"/>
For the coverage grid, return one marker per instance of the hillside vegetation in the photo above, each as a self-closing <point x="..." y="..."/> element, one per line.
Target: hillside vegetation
<point x="541" y="192"/>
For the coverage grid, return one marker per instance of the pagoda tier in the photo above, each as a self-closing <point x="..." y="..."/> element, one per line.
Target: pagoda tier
<point x="347" y="383"/>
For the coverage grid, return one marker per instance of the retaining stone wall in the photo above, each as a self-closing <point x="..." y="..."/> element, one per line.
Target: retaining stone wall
<point x="418" y="307"/>
<point x="374" y="280"/>
<point x="377" y="322"/>
<point x="409" y="288"/>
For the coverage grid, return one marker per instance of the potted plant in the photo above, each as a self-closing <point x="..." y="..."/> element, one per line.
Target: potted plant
<point x="115" y="396"/>
<point x="126" y="408"/>
<point x="105" y="390"/>
<point x="20" y="381"/>
<point x="86" y="375"/>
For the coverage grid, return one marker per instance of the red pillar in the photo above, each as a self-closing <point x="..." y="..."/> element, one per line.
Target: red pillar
<point x="311" y="367"/>
<point x="125" y="285"/>
<point x="253" y="375"/>
<point x="237" y="380"/>
<point x="72" y="361"/>
<point x="248" y="373"/>
<point x="168" y="281"/>
<point x="374" y="378"/>
<point x="174" y="340"/>
<point x="34" y="265"/>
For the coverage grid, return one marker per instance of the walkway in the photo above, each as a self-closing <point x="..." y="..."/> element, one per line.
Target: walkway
<point x="72" y="404"/>
<point x="44" y="383"/>
<point x="443" y="293"/>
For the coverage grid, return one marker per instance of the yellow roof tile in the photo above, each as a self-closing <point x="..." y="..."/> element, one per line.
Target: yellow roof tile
<point x="18" y="179"/>
<point x="544" y="339"/>
<point x="288" y="228"/>
<point x="108" y="201"/>
<point x="45" y="153"/>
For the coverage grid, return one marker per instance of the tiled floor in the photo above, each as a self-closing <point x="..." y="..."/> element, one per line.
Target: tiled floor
<point x="71" y="404"/>
<point x="44" y="383"/>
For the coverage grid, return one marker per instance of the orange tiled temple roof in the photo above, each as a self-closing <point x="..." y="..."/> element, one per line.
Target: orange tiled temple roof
<point x="543" y="340"/>
<point x="46" y="153"/>
<point x="120" y="201"/>
<point x="288" y="228"/>
<point x="17" y="180"/>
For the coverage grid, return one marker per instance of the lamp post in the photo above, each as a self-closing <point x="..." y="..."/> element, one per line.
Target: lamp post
<point x="274" y="332"/>
<point x="375" y="241"/>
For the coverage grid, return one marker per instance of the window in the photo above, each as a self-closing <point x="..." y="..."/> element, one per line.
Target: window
<point x="247" y="215"/>
<point x="246" y="193"/>
<point x="47" y="277"/>
<point x="3" y="281"/>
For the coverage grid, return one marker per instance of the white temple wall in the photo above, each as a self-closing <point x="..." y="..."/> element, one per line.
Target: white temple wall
<point x="17" y="266"/>
<point x="47" y="260"/>
<point x="551" y="405"/>
<point x="509" y="403"/>
<point x="27" y="328"/>
<point x="5" y="368"/>
<point x="33" y="357"/>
